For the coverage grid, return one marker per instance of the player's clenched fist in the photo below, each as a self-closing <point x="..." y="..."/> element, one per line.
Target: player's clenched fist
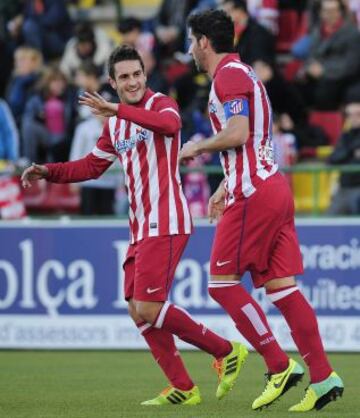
<point x="34" y="172"/>
<point x="188" y="151"/>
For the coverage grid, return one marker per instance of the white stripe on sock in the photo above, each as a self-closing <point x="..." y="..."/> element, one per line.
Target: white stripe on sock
<point x="222" y="284"/>
<point x="160" y="320"/>
<point x="274" y="297"/>
<point x="255" y="319"/>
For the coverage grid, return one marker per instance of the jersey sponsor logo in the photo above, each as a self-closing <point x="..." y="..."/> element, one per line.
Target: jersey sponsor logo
<point x="150" y="290"/>
<point x="222" y="263"/>
<point x="266" y="153"/>
<point x="124" y="145"/>
<point x="212" y="107"/>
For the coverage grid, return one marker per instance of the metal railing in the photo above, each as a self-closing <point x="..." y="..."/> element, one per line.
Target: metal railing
<point x="313" y="169"/>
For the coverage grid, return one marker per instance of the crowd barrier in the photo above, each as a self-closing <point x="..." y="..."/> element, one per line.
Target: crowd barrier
<point x="61" y="284"/>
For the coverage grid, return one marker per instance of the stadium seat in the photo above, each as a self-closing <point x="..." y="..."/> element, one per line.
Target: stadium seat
<point x="330" y="122"/>
<point x="306" y="199"/>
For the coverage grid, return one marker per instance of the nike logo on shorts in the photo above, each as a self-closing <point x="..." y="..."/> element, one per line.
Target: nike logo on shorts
<point x="149" y="290"/>
<point x="222" y="263"/>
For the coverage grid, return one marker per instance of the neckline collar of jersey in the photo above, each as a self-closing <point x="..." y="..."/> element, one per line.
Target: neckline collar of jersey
<point x="228" y="58"/>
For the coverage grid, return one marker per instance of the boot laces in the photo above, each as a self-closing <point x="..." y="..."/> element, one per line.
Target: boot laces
<point x="217" y="366"/>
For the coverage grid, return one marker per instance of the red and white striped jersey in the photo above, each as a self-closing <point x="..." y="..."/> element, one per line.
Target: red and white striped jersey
<point x="157" y="205"/>
<point x="247" y="166"/>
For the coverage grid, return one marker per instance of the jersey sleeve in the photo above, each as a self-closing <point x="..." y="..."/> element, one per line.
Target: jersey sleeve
<point x="234" y="89"/>
<point x="89" y="167"/>
<point x="163" y="118"/>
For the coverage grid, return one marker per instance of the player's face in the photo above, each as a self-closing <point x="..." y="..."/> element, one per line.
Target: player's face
<point x="196" y="52"/>
<point x="129" y="81"/>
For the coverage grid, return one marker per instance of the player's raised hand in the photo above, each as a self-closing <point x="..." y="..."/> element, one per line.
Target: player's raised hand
<point x="216" y="204"/>
<point x="98" y="105"/>
<point x="188" y="151"/>
<point x="34" y="172"/>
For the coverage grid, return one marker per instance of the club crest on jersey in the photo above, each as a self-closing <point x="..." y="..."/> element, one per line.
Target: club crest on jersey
<point x="124" y="145"/>
<point x="212" y="107"/>
<point x="236" y="107"/>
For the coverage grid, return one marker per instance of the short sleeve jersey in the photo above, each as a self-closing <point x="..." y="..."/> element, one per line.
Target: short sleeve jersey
<point x="235" y="87"/>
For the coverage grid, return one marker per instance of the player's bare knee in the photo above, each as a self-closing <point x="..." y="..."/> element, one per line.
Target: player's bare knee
<point x="278" y="283"/>
<point x="132" y="312"/>
<point x="148" y="311"/>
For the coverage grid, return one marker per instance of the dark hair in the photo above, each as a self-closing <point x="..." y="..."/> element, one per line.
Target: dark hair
<point x="90" y="69"/>
<point x="237" y="4"/>
<point x="216" y="25"/>
<point x="84" y="33"/>
<point x="123" y="53"/>
<point x="128" y="24"/>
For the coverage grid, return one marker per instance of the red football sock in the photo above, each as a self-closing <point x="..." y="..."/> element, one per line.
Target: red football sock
<point x="165" y="353"/>
<point x="177" y="321"/>
<point x="302" y="322"/>
<point x="251" y="322"/>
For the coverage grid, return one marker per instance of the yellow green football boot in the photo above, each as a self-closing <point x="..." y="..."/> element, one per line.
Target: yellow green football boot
<point x="279" y="383"/>
<point x="228" y="368"/>
<point x="317" y="395"/>
<point x="173" y="396"/>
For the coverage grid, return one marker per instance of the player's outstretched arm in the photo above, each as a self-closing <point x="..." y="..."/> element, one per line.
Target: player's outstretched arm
<point x="98" y="105"/>
<point x="32" y="173"/>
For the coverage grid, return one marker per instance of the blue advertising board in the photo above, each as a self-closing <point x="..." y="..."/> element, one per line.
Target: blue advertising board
<point x="61" y="284"/>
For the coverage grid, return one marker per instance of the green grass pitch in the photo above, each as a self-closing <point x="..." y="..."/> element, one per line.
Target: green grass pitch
<point x="59" y="384"/>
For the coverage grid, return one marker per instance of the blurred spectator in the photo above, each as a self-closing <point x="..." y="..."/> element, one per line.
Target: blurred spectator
<point x="307" y="136"/>
<point x="9" y="136"/>
<point x="252" y="41"/>
<point x="354" y="9"/>
<point x="97" y="196"/>
<point x="334" y="57"/>
<point x="28" y="64"/>
<point x="47" y="26"/>
<point x="155" y="78"/>
<point x="10" y="31"/>
<point x="48" y="120"/>
<point x="170" y="25"/>
<point x="196" y="186"/>
<point x="87" y="79"/>
<point x="284" y="145"/>
<point x="11" y="202"/>
<point x="283" y="96"/>
<point x="88" y="45"/>
<point x="347" y="151"/>
<point x="265" y="12"/>
<point x="132" y="34"/>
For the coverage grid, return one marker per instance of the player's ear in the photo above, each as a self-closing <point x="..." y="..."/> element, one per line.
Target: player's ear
<point x="112" y="83"/>
<point x="203" y="42"/>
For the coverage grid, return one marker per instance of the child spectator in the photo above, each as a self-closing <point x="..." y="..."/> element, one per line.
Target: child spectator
<point x="28" y="65"/>
<point x="49" y="118"/>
